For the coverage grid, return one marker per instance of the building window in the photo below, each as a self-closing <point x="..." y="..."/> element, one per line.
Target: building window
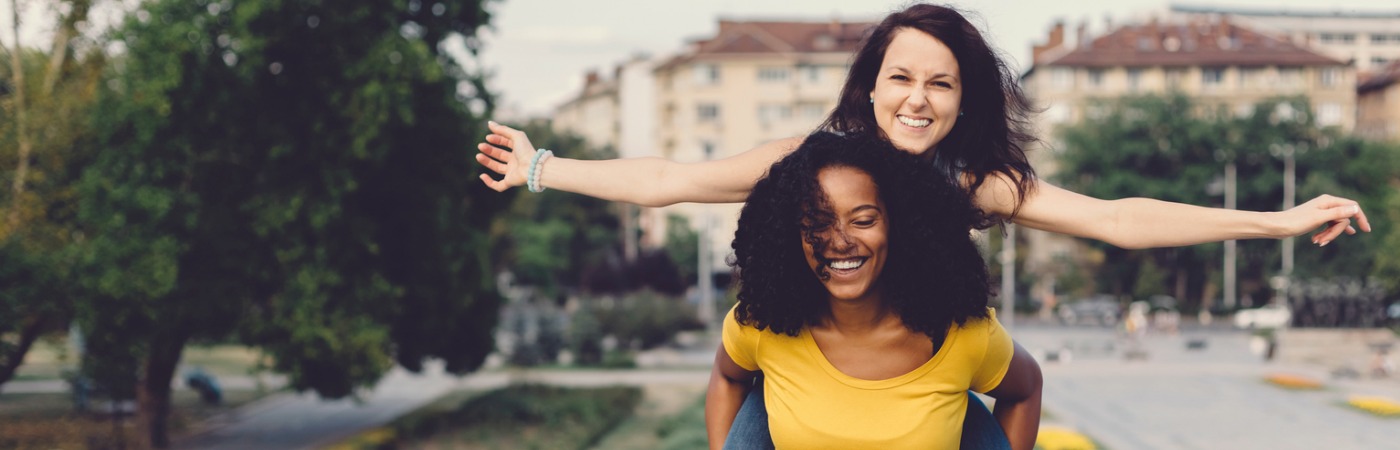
<point x="1329" y="114"/>
<point x="772" y="74"/>
<point x="773" y="112"/>
<point x="1175" y="77"/>
<point x="1252" y="77"/>
<point x="813" y="111"/>
<point x="1134" y="79"/>
<point x="1336" y="38"/>
<point x="1062" y="78"/>
<point x="813" y="74"/>
<point x="1095" y="77"/>
<point x="707" y="150"/>
<point x="1331" y="77"/>
<point x="1212" y="77"/>
<point x="707" y="112"/>
<point x="1379" y="61"/>
<point x="706" y="74"/>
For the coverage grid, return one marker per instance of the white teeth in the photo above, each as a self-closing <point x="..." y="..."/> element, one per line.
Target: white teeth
<point x="917" y="123"/>
<point x="847" y="264"/>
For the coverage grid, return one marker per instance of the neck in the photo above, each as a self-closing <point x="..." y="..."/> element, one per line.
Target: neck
<point x="860" y="315"/>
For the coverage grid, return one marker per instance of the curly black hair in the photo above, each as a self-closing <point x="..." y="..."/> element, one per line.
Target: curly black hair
<point x="935" y="275"/>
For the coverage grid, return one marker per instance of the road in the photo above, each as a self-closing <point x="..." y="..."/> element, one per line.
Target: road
<point x="1213" y="398"/>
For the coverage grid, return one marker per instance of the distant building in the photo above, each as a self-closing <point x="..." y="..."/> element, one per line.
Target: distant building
<point x="1366" y="40"/>
<point x="750" y="83"/>
<point x="1378" y="104"/>
<point x="620" y="112"/>
<point x="1216" y="61"/>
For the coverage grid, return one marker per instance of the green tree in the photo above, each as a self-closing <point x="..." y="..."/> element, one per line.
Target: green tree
<point x="292" y="173"/>
<point x="556" y="240"/>
<point x="44" y="143"/>
<point x="1171" y="148"/>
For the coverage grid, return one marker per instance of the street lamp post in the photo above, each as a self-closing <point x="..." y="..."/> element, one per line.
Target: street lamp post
<point x="704" y="277"/>
<point x="1230" y="245"/>
<point x="1287" y="151"/>
<point x="1008" y="277"/>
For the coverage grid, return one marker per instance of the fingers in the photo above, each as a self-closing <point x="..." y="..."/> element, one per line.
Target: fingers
<point x="1336" y="228"/>
<point x="498" y="186"/>
<point x="492" y="164"/>
<point x="1362" y="221"/>
<point x="505" y="132"/>
<point x="500" y="140"/>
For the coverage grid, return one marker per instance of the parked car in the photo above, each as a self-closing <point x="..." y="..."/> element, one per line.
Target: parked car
<point x="1269" y="316"/>
<point x="1096" y="310"/>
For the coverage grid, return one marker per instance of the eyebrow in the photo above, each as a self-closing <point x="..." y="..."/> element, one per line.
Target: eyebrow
<point x="936" y="75"/>
<point x="865" y="207"/>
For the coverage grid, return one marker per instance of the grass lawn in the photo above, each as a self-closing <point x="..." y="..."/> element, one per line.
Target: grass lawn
<point x="523" y="416"/>
<point x="47" y="420"/>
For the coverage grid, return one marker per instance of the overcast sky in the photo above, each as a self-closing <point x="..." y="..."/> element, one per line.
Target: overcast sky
<point x="539" y="50"/>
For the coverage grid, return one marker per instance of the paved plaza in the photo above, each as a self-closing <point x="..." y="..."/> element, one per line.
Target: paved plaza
<point x="1171" y="397"/>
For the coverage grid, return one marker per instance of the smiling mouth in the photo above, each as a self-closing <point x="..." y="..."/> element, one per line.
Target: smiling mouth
<point x="916" y="123"/>
<point x="846" y="265"/>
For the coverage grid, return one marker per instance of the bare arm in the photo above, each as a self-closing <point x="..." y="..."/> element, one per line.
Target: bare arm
<point x="729" y="384"/>
<point x="1146" y="223"/>
<point x="1018" y="400"/>
<point x="642" y="181"/>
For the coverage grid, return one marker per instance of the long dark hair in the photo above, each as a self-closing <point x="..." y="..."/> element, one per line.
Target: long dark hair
<point x="991" y="136"/>
<point x="934" y="276"/>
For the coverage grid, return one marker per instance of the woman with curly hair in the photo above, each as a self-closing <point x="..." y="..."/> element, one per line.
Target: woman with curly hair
<point x="863" y="302"/>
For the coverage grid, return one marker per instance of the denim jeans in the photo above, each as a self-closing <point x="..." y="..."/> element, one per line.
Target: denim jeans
<point x="750" y="430"/>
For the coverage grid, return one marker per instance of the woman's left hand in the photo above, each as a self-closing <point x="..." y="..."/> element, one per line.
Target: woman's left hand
<point x="1334" y="214"/>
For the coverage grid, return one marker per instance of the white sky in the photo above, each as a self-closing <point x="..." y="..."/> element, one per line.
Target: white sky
<point x="539" y="50"/>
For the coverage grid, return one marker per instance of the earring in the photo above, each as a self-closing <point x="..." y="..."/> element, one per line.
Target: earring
<point x="960" y="113"/>
<point x="872" y="100"/>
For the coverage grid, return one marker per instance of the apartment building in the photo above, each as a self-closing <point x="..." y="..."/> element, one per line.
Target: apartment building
<point x="750" y="83"/>
<point x="1213" y="59"/>
<point x="1378" y="104"/>
<point x="1366" y="40"/>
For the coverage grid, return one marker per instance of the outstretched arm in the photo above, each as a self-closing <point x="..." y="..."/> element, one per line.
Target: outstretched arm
<point x="642" y="181"/>
<point x="1018" y="400"/>
<point x="1146" y="223"/>
<point x="729" y="384"/>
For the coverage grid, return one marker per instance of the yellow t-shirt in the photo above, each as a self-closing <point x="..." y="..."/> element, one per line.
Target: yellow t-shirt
<point x="812" y="405"/>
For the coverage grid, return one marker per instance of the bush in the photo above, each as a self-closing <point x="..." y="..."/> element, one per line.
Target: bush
<point x="530" y="416"/>
<point x="637" y="321"/>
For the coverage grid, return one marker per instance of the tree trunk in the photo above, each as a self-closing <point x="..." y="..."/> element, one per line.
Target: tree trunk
<point x="154" y="392"/>
<point x="21" y="122"/>
<point x="27" y="336"/>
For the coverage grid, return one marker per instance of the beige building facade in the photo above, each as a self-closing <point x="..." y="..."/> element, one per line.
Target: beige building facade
<point x="1378" y="104"/>
<point x="750" y="83"/>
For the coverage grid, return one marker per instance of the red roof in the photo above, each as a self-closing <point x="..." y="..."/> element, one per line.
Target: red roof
<point x="1199" y="43"/>
<point x="1380" y="79"/>
<point x="773" y="37"/>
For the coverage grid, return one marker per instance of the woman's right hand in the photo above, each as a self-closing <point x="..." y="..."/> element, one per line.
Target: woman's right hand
<point x="513" y="165"/>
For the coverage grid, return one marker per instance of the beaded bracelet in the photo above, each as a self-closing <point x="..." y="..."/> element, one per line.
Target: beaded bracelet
<point x="532" y="180"/>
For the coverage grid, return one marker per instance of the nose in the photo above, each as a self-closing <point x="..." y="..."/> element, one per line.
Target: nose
<point x="841" y="241"/>
<point x="917" y="99"/>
